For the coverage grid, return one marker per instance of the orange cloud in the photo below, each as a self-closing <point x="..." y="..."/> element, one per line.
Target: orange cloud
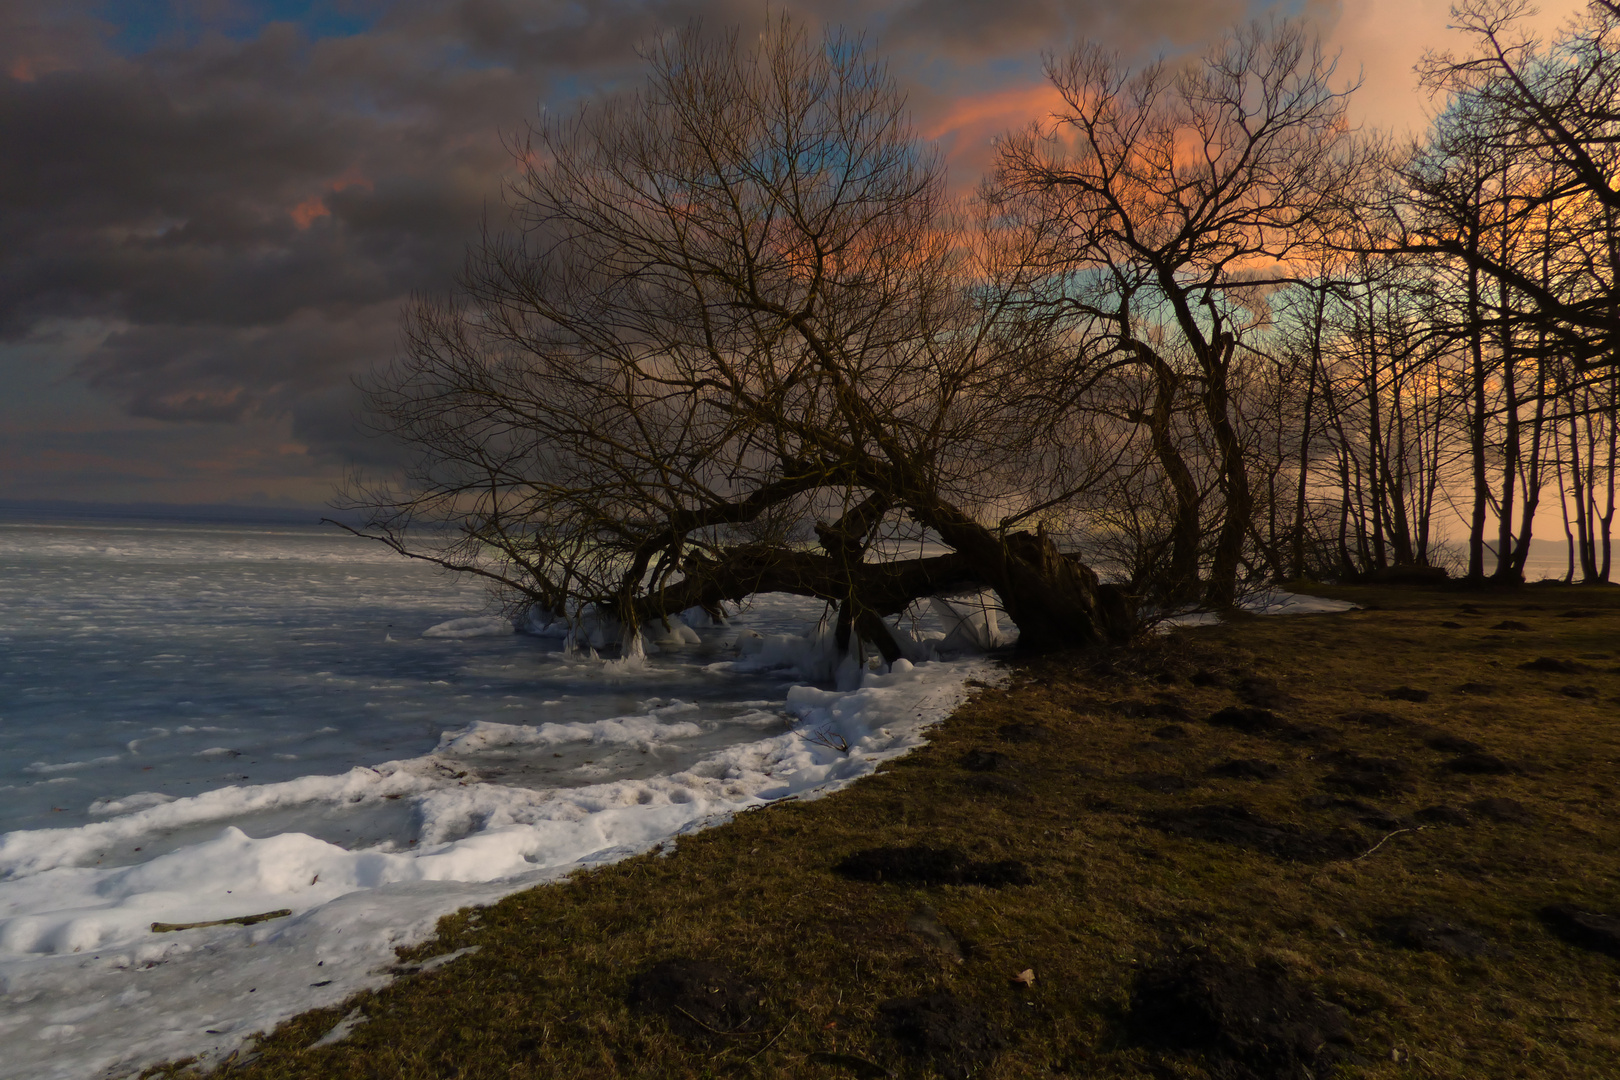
<point x="29" y="68"/>
<point x="351" y="177"/>
<point x="1383" y="40"/>
<point x="994" y="113"/>
<point x="305" y="213"/>
<point x="966" y="127"/>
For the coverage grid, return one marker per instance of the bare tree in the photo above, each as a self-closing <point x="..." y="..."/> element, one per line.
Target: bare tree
<point x="1164" y="204"/>
<point x="735" y="335"/>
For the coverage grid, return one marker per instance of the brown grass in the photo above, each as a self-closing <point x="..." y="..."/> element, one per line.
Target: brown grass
<point x="545" y="995"/>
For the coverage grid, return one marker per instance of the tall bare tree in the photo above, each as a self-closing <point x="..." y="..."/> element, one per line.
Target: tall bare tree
<point x="1163" y="204"/>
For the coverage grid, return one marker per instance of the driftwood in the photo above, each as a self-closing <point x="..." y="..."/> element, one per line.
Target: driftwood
<point x="243" y="920"/>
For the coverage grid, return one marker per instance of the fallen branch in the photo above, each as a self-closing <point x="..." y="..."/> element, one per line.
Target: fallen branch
<point x="773" y="1039"/>
<point x="243" y="920"/>
<point x="733" y="1034"/>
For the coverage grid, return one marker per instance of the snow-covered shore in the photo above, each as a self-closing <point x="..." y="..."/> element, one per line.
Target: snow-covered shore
<point x="90" y="990"/>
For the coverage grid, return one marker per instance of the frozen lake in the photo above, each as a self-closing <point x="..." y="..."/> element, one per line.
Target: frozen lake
<point x="157" y="660"/>
<point x="205" y="721"/>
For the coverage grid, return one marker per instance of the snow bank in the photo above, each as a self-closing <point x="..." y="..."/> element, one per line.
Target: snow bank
<point x="88" y="988"/>
<point x="642" y="731"/>
<point x="1263" y="602"/>
<point x="1278" y="602"/>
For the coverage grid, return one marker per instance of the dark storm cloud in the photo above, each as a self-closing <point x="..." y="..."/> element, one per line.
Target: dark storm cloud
<point x="249" y="211"/>
<point x="974" y="29"/>
<point x="250" y="214"/>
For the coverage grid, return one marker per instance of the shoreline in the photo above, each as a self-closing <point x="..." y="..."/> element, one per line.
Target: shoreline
<point x="1335" y="881"/>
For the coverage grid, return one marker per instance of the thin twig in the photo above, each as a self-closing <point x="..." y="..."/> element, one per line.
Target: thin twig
<point x="715" y="1031"/>
<point x="1003" y="941"/>
<point x="778" y="1035"/>
<point x="1381" y="843"/>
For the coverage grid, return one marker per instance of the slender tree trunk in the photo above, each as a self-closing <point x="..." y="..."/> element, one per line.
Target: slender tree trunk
<point x="1611" y="419"/>
<point x="1184" y="528"/>
<point x="1239" y="509"/>
<point x="1298" y="552"/>
<point x="1563" y="505"/>
<point x="1505" y="570"/>
<point x="1476" y="429"/>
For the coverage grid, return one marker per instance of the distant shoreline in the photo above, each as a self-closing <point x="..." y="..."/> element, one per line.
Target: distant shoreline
<point x="45" y="510"/>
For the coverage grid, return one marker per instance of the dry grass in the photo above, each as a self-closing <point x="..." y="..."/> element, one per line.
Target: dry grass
<point x="546" y="993"/>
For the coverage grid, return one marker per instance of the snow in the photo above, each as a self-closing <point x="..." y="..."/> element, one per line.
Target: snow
<point x="1268" y="601"/>
<point x="1279" y="602"/>
<point x="477" y="626"/>
<point x="90" y="989"/>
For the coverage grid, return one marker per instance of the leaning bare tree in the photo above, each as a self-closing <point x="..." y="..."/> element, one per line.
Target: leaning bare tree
<point x="733" y="336"/>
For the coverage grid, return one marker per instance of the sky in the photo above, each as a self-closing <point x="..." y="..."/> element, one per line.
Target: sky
<point x="212" y="212"/>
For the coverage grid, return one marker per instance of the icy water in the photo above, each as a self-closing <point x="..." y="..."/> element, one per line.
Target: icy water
<point x="155" y="660"/>
<point x="207" y="721"/>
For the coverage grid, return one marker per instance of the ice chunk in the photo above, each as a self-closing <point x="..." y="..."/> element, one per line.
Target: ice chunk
<point x="971" y="624"/>
<point x="478" y="626"/>
<point x="141" y="800"/>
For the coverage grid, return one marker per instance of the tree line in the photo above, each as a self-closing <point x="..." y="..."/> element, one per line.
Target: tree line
<point x="1194" y="331"/>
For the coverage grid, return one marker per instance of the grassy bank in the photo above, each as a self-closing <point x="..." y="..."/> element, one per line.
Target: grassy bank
<point x="1329" y="880"/>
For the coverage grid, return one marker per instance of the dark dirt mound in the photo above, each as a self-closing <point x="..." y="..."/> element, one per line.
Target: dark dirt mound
<point x="1511" y="624"/>
<point x="1587" y="929"/>
<point x="1251" y="1022"/>
<point x="1582" y="692"/>
<point x="1201" y="677"/>
<point x="983" y="760"/>
<point x="1302" y="733"/>
<point x="701" y="999"/>
<point x="1430" y="933"/>
<point x="1153" y="710"/>
<point x="1442" y="815"/>
<point x="1468" y="609"/>
<point x="1247" y="719"/>
<point x="1553" y="665"/>
<point x="984" y="784"/>
<point x="1451" y="744"/>
<point x="1164" y="783"/>
<point x="1024" y="733"/>
<point x="1375" y="817"/>
<point x="1407" y="693"/>
<point x="1170" y="731"/>
<point x="1246" y="769"/>
<point x="858" y="1066"/>
<point x="1480" y="688"/>
<point x="1579" y="613"/>
<point x="1262" y="693"/>
<point x="1363" y="775"/>
<point x="1373" y="719"/>
<point x="1238" y="826"/>
<point x="1449" y="625"/>
<point x="1477" y="763"/>
<point x="1509" y="811"/>
<point x="929" y="866"/>
<point x="952" y="1035"/>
